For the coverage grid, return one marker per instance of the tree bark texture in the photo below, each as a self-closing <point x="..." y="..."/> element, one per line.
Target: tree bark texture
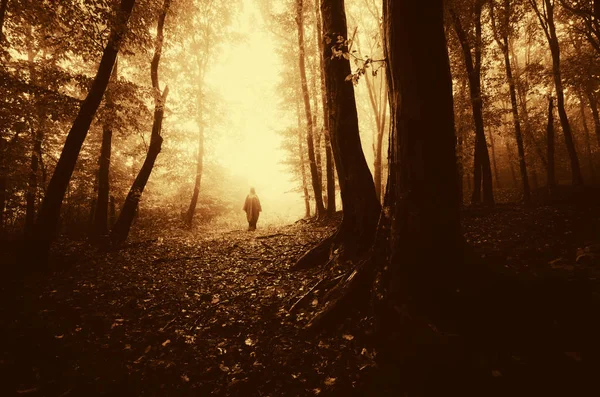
<point x="359" y="201"/>
<point x="482" y="168"/>
<point x="122" y="226"/>
<point x="546" y="18"/>
<point x="49" y="213"/>
<point x="423" y="185"/>
<point x="100" y="227"/>
<point x="329" y="164"/>
<point x="314" y="173"/>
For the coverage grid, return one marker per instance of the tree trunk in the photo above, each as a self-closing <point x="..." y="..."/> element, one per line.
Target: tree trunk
<point x="482" y="168"/>
<point x="316" y="183"/>
<point x="121" y="228"/>
<point x="547" y="22"/>
<point x="509" y="155"/>
<point x="594" y="107"/>
<point x="37" y="131"/>
<point x="356" y="233"/>
<point x="379" y="109"/>
<point x="302" y="163"/>
<point x="201" y="64"/>
<point x="317" y="131"/>
<point x="329" y="165"/>
<point x="494" y="163"/>
<point x="423" y="183"/>
<point x="516" y="123"/>
<point x="586" y="137"/>
<point x="100" y="219"/>
<point x="550" y="174"/>
<point x="49" y="214"/>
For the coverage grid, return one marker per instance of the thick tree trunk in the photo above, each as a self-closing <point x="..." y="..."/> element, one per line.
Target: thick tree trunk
<point x="329" y="165"/>
<point x="100" y="220"/>
<point x="49" y="214"/>
<point x="361" y="207"/>
<point x="121" y="228"/>
<point x="316" y="183"/>
<point x="482" y="168"/>
<point x="550" y="174"/>
<point x="425" y="233"/>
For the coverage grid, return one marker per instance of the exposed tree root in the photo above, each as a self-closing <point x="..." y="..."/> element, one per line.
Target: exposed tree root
<point x="349" y="292"/>
<point x="317" y="255"/>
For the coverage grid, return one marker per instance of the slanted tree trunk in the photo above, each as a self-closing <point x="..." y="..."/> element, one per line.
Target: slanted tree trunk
<point x="100" y="219"/>
<point x="546" y="18"/>
<point x="121" y="227"/>
<point x="49" y="213"/>
<point x="550" y="174"/>
<point x="316" y="183"/>
<point x="482" y="175"/>
<point x="329" y="165"/>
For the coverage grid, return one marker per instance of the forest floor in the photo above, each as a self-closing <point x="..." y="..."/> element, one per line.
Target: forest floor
<point x="212" y="313"/>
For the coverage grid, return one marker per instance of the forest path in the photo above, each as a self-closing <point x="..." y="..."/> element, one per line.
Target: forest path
<point x="206" y="313"/>
<point x="191" y="314"/>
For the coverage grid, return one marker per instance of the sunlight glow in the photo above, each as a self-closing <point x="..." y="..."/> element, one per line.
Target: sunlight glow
<point x="245" y="76"/>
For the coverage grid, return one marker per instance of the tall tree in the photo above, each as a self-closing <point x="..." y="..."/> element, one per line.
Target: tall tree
<point x="423" y="180"/>
<point x="502" y="31"/>
<point x="329" y="164"/>
<point x="121" y="228"/>
<point x="100" y="221"/>
<point x="361" y="208"/>
<point x="49" y="213"/>
<point x="545" y="15"/>
<point x="472" y="53"/>
<point x="316" y="182"/>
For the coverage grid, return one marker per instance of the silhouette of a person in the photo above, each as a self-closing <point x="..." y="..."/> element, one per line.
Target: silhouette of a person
<point x="252" y="208"/>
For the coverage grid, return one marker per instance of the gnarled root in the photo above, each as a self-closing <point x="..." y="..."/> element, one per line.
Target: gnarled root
<point x="317" y="255"/>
